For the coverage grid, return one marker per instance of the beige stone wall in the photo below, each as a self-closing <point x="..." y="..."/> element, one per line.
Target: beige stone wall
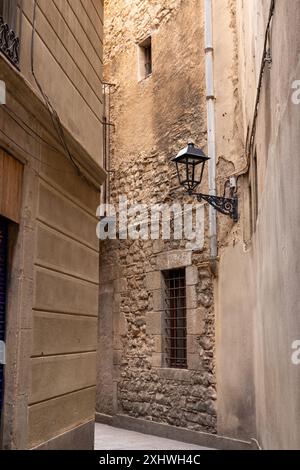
<point x="65" y="305"/>
<point x="52" y="308"/>
<point x="68" y="63"/>
<point x="55" y="331"/>
<point x="268" y="262"/>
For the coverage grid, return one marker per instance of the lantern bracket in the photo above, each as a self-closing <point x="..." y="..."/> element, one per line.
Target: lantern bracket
<point x="225" y="205"/>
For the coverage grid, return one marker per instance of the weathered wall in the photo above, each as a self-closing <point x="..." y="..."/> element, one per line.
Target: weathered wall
<point x="65" y="305"/>
<point x="271" y="301"/>
<point x="153" y="119"/>
<point x="56" y="296"/>
<point x="52" y="310"/>
<point x="234" y="343"/>
<point x="68" y="48"/>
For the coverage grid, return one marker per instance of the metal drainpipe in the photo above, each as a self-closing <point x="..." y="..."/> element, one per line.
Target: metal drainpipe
<point x="210" y="103"/>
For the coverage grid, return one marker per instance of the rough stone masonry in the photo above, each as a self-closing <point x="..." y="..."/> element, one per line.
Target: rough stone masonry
<point x="153" y="119"/>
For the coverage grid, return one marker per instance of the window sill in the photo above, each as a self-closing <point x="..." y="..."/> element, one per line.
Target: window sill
<point x="145" y="79"/>
<point x="183" y="375"/>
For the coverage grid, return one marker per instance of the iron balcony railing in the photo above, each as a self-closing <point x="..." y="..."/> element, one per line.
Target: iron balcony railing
<point x="9" y="43"/>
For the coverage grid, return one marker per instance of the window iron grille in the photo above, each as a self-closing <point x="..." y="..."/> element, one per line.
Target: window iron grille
<point x="175" y="337"/>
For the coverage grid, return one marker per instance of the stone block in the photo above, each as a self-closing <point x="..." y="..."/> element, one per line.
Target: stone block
<point x="117" y="341"/>
<point x="192" y="277"/>
<point x="61" y="334"/>
<point x="58" y="375"/>
<point x="158" y="343"/>
<point x="156" y="301"/>
<point x="153" y="280"/>
<point x="24" y="353"/>
<point x="60" y="253"/>
<point x="116" y="300"/>
<point x="195" y="322"/>
<point x="27" y="297"/>
<point x="174" y="259"/>
<point x="192" y="345"/>
<point x="178" y="375"/>
<point x="156" y="360"/>
<point x="111" y="273"/>
<point x="154" y="323"/>
<point x="61" y="213"/>
<point x="117" y="357"/>
<point x="158" y="246"/>
<point x="191" y="297"/>
<point x="53" y="417"/>
<point x="194" y="362"/>
<point x="56" y="292"/>
<point x="120" y="285"/>
<point x="123" y="326"/>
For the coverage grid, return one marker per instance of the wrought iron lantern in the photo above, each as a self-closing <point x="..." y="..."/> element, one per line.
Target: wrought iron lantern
<point x="190" y="164"/>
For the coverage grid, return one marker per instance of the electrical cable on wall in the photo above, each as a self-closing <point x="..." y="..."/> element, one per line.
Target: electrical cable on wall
<point x="26" y="128"/>
<point x="265" y="59"/>
<point x="31" y="154"/>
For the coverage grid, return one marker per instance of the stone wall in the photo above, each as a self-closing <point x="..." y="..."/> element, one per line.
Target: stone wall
<point x="142" y="387"/>
<point x="263" y="323"/>
<point x="52" y="308"/>
<point x="153" y="119"/>
<point x="53" y="278"/>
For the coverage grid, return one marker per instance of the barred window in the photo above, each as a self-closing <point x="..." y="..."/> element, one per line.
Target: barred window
<point x="175" y="337"/>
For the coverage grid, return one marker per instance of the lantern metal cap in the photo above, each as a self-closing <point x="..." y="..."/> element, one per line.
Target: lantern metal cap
<point x="191" y="151"/>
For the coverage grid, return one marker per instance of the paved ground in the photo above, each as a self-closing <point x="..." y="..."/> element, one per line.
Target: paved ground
<point x="109" y="438"/>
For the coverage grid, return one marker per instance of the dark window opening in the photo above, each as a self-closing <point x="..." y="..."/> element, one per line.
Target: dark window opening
<point x="145" y="58"/>
<point x="175" y="337"/>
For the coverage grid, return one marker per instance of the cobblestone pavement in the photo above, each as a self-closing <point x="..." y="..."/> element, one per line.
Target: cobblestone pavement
<point x="110" y="438"/>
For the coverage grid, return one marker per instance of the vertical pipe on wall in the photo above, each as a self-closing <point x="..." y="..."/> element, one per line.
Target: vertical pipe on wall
<point x="211" y="142"/>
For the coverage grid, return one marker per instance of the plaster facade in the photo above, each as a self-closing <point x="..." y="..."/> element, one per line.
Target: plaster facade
<point x="268" y="258"/>
<point x="53" y="268"/>
<point x="243" y="316"/>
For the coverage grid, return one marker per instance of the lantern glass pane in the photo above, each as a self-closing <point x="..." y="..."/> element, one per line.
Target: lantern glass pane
<point x="180" y="172"/>
<point x="190" y="169"/>
<point x="199" y="173"/>
<point x="190" y="174"/>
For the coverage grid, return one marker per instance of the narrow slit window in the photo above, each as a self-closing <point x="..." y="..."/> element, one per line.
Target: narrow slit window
<point x="175" y="335"/>
<point x="145" y="58"/>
